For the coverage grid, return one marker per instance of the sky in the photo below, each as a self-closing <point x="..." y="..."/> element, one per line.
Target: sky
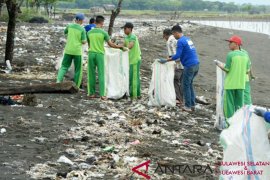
<point x="255" y="2"/>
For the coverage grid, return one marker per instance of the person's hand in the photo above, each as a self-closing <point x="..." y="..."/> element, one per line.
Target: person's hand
<point x="253" y="78"/>
<point x="169" y="59"/>
<point x="162" y="61"/>
<point x="218" y="63"/>
<point x="124" y="48"/>
<point x="260" y="111"/>
<point x="120" y="46"/>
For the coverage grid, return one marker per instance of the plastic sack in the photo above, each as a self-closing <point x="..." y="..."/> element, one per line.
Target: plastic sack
<point x="220" y="118"/>
<point x="117" y="73"/>
<point x="161" y="90"/>
<point x="246" y="153"/>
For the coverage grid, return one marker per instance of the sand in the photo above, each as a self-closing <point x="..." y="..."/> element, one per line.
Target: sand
<point x="61" y="113"/>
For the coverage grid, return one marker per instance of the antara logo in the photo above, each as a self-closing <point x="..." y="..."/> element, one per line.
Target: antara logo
<point x="194" y="170"/>
<point x="145" y="175"/>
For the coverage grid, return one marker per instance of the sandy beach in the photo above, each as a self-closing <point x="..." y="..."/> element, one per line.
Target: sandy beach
<point x="80" y="129"/>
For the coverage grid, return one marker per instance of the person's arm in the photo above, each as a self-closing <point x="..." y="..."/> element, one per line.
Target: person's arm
<point x="66" y="30"/>
<point x="226" y="67"/>
<point x="111" y="44"/>
<point x="267" y="116"/>
<point x="88" y="40"/>
<point x="84" y="40"/>
<point x="171" y="47"/>
<point x="251" y="74"/>
<point x="130" y="45"/>
<point x="221" y="66"/>
<point x="131" y="42"/>
<point x="179" y="51"/>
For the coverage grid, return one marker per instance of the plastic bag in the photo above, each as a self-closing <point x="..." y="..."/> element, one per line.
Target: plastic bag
<point x="117" y="73"/>
<point x="161" y="91"/>
<point x="246" y="147"/>
<point x="220" y="118"/>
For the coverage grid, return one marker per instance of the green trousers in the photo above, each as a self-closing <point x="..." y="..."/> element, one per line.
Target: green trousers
<point x="247" y="94"/>
<point x="233" y="100"/>
<point x="66" y="63"/>
<point x="134" y="80"/>
<point x="96" y="60"/>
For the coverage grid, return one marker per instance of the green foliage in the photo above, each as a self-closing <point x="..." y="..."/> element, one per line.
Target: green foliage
<point x="26" y="15"/>
<point x="168" y="5"/>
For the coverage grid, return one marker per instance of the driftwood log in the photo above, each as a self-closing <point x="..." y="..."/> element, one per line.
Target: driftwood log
<point x="65" y="87"/>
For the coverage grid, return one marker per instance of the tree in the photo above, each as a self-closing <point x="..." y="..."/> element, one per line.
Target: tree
<point x="114" y="14"/>
<point x="13" y="8"/>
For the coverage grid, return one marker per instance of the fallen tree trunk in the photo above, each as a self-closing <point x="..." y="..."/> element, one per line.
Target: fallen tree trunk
<point x="65" y="87"/>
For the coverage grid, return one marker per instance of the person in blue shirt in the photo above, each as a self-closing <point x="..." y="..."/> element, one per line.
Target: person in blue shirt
<point x="186" y="51"/>
<point x="263" y="113"/>
<point x="91" y="25"/>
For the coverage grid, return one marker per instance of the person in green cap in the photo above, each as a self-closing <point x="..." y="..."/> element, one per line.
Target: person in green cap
<point x="76" y="36"/>
<point x="237" y="67"/>
<point x="96" y="39"/>
<point x="132" y="43"/>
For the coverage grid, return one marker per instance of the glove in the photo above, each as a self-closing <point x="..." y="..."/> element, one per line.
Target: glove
<point x="163" y="61"/>
<point x="260" y="111"/>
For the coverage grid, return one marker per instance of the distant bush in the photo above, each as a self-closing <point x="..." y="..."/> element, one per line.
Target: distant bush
<point x="4" y="17"/>
<point x="28" y="15"/>
<point x="38" y="20"/>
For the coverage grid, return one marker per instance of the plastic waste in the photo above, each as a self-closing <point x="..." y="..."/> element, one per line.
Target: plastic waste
<point x="3" y="130"/>
<point x="245" y="141"/>
<point x="64" y="159"/>
<point x="135" y="142"/>
<point x="161" y="90"/>
<point x="109" y="149"/>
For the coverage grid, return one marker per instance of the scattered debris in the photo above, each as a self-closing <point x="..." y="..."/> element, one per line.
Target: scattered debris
<point x="64" y="159"/>
<point x="3" y="130"/>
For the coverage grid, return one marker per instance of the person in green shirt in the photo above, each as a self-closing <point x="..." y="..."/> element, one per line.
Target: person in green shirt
<point x="96" y="39"/>
<point x="237" y="66"/>
<point x="247" y="92"/>
<point x="76" y="36"/>
<point x="132" y="43"/>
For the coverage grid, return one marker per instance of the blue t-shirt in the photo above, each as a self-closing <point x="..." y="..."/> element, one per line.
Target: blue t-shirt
<point x="267" y="116"/>
<point x="186" y="51"/>
<point x="89" y="27"/>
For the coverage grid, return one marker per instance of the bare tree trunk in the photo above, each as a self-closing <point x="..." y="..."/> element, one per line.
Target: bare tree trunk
<point x="54" y="11"/>
<point x="65" y="87"/>
<point x="27" y="4"/>
<point x="47" y="9"/>
<point x="12" y="13"/>
<point x="114" y="14"/>
<point x="1" y="5"/>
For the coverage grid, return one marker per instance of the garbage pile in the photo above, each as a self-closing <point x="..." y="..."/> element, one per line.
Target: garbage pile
<point x="116" y="136"/>
<point x="104" y="139"/>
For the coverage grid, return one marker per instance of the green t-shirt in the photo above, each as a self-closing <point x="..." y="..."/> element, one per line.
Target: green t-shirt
<point x="135" y="51"/>
<point x="97" y="37"/>
<point x="75" y="36"/>
<point x="237" y="65"/>
<point x="247" y="78"/>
